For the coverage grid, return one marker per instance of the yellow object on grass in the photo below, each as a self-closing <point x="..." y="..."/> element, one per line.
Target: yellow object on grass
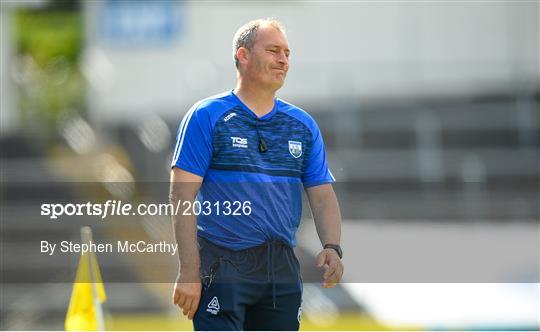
<point x="84" y="312"/>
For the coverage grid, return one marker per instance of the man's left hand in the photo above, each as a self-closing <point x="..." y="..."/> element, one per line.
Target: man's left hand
<point x="329" y="259"/>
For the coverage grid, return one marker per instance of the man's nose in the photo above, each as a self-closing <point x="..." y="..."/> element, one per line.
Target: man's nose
<point x="282" y="58"/>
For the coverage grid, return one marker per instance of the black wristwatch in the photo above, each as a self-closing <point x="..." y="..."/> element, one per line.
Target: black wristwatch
<point x="336" y="247"/>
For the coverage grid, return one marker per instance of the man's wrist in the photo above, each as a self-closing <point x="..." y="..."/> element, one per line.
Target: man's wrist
<point x="335" y="247"/>
<point x="190" y="267"/>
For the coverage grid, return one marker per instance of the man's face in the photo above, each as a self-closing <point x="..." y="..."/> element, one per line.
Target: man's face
<point x="268" y="60"/>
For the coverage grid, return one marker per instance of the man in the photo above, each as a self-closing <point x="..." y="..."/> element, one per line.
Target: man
<point x="246" y="150"/>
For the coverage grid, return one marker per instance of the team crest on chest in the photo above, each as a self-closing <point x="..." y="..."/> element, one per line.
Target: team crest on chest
<point x="295" y="148"/>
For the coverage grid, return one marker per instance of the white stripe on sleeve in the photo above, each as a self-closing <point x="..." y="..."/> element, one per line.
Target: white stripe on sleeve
<point x="183" y="128"/>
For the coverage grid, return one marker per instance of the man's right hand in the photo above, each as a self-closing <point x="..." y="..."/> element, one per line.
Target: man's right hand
<point x="186" y="295"/>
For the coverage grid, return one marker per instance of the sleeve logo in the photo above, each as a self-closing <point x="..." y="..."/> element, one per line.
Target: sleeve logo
<point x="228" y="117"/>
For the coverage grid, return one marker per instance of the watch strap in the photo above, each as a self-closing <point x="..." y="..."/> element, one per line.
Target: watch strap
<point x="336" y="247"/>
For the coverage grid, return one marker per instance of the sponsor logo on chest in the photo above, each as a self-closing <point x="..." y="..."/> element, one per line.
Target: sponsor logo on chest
<point x="239" y="142"/>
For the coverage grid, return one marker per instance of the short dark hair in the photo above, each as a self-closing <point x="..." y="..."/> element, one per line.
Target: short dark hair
<point x="247" y="34"/>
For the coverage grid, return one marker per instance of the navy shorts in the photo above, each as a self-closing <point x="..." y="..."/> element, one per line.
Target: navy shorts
<point x="252" y="289"/>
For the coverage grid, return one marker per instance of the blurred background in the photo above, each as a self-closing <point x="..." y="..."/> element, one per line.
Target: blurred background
<point x="430" y="115"/>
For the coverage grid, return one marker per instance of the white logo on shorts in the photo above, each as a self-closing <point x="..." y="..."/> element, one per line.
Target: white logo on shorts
<point x="213" y="306"/>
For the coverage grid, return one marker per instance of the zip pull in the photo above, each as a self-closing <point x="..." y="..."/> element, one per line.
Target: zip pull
<point x="262" y="144"/>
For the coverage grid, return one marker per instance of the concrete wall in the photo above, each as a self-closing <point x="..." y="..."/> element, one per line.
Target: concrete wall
<point x="339" y="50"/>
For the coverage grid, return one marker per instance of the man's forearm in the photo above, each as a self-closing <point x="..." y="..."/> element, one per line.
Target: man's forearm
<point x="326" y="213"/>
<point x="328" y="223"/>
<point x="185" y="233"/>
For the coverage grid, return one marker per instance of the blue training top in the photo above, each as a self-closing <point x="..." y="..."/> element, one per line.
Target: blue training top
<point x="219" y="139"/>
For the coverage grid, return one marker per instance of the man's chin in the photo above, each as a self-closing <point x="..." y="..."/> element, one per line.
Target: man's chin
<point x="277" y="84"/>
<point x="274" y="84"/>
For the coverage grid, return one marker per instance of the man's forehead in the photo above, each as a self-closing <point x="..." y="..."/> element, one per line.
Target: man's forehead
<point x="269" y="35"/>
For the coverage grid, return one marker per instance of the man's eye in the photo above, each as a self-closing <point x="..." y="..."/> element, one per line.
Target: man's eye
<point x="273" y="51"/>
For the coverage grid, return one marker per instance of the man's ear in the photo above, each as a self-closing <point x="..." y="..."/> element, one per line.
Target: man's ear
<point x="242" y="54"/>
